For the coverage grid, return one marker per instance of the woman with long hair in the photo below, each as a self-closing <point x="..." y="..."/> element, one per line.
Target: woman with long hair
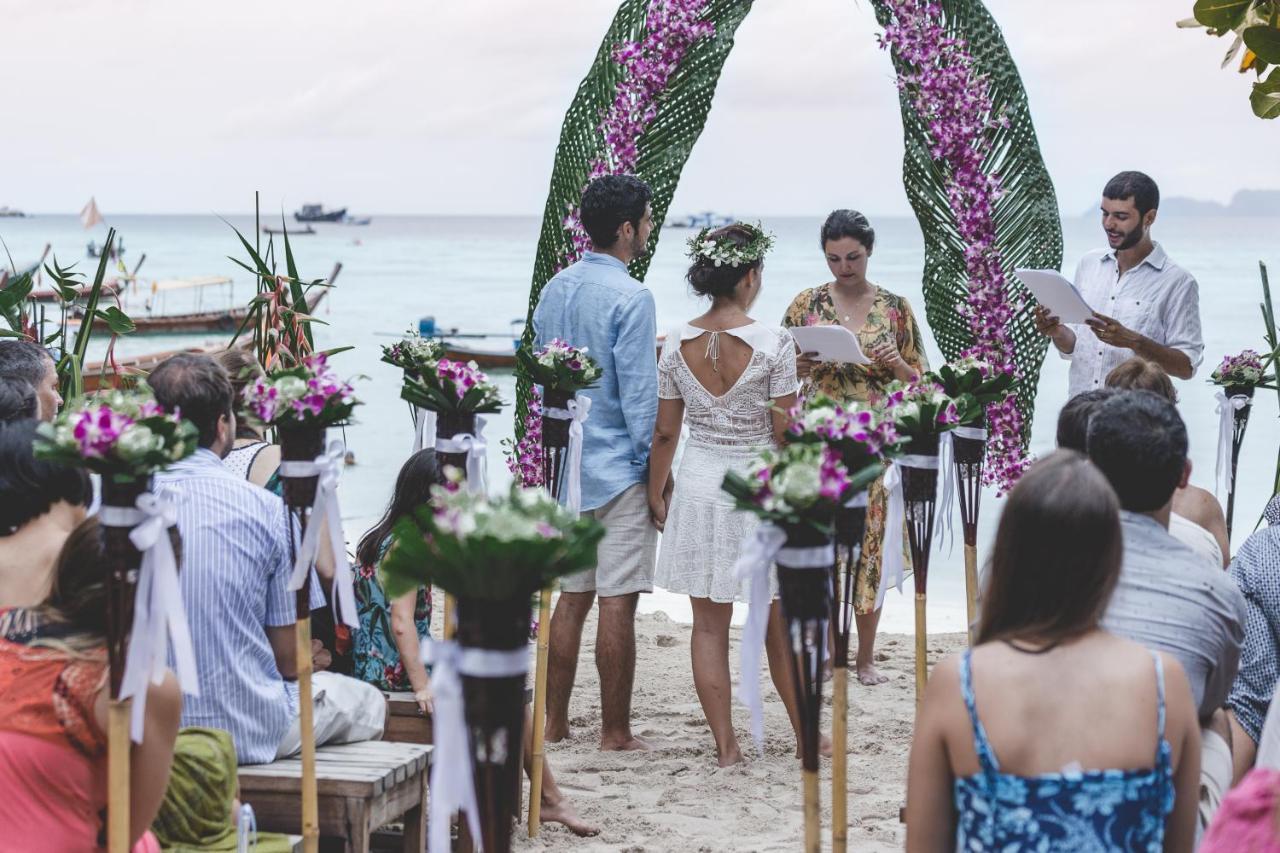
<point x="53" y="701"/>
<point x="1050" y="733"/>
<point x="731" y="379"/>
<point x="387" y="651"/>
<point x="887" y="332"/>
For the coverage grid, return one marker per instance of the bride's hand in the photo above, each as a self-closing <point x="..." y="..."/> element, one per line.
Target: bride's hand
<point x="658" y="510"/>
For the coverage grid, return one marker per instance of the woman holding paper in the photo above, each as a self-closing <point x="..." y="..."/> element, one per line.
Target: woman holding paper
<point x="887" y="333"/>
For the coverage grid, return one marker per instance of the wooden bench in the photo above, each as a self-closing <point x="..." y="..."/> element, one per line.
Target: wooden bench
<point x="361" y="787"/>
<point x="405" y="724"/>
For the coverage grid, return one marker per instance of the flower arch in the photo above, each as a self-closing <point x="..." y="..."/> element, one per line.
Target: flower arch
<point x="972" y="167"/>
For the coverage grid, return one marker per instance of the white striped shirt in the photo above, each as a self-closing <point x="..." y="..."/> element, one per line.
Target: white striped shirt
<point x="234" y="576"/>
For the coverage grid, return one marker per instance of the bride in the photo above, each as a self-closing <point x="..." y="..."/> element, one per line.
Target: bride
<point x="727" y="376"/>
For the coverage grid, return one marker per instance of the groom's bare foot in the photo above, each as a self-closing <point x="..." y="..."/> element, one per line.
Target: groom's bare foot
<point x="624" y="744"/>
<point x="730" y="758"/>
<point x="563" y="813"/>
<point x="555" y="732"/>
<point x="870" y="676"/>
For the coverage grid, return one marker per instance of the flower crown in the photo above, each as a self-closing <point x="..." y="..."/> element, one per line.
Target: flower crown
<point x="724" y="252"/>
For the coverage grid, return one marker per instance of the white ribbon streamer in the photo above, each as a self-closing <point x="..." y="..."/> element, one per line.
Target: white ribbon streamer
<point x="973" y="433"/>
<point x="246" y="829"/>
<point x="754" y="562"/>
<point x="424" y="428"/>
<point x="577" y="411"/>
<point x="325" y="513"/>
<point x="893" y="570"/>
<point x="946" y="504"/>
<point x="1227" y="409"/>
<point x="452" y="782"/>
<point x="159" y="618"/>
<point x="474" y="447"/>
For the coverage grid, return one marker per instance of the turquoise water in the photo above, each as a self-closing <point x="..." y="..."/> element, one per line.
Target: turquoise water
<point x="473" y="273"/>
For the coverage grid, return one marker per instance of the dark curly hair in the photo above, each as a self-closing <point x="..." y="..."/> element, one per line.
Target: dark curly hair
<point x="609" y="201"/>
<point x="848" y="223"/>
<point x="1136" y="185"/>
<point x="710" y="280"/>
<point x="1139" y="441"/>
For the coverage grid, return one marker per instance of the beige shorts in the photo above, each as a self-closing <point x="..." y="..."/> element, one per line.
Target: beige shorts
<point x="628" y="553"/>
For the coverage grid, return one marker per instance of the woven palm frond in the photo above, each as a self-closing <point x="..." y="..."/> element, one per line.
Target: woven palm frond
<point x="663" y="149"/>
<point x="1027" y="220"/>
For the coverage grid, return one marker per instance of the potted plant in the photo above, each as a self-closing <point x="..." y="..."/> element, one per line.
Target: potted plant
<point x="457" y="393"/>
<point x="416" y="356"/>
<point x="1238" y="376"/>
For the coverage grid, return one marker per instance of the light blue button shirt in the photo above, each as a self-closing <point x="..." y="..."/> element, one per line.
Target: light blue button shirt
<point x="234" y="577"/>
<point x="596" y="304"/>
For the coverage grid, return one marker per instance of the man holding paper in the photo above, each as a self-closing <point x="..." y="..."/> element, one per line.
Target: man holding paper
<point x="1142" y="302"/>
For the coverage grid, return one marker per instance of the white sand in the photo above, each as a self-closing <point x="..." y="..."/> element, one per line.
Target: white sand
<point x="676" y="798"/>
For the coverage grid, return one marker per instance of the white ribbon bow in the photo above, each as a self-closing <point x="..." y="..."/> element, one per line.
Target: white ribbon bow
<point x="246" y="829"/>
<point x="1227" y="409"/>
<point x="754" y="562"/>
<point x="452" y="782"/>
<point x="475" y="448"/>
<point x="893" y="570"/>
<point x="947" y="473"/>
<point x="577" y="411"/>
<point x="424" y="428"/>
<point x="158" y="615"/>
<point x="326" y="513"/>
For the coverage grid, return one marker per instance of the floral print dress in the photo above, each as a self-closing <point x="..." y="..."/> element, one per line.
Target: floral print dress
<point x="375" y="658"/>
<point x="890" y="317"/>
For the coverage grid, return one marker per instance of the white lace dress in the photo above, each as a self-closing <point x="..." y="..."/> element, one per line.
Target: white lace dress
<point x="704" y="533"/>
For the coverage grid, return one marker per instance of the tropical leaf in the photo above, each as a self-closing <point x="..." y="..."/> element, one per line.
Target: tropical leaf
<point x="71" y="365"/>
<point x="663" y="149"/>
<point x="1266" y="96"/>
<point x="1028" y="224"/>
<point x="1221" y="14"/>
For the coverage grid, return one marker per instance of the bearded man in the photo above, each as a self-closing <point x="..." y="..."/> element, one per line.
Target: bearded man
<point x="1143" y="303"/>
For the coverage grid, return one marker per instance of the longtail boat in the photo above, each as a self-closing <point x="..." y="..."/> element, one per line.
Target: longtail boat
<point x="200" y="322"/>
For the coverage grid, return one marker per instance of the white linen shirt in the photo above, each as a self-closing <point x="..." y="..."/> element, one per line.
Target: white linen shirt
<point x="1157" y="299"/>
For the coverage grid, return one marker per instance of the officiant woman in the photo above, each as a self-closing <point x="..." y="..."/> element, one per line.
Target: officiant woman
<point x="888" y="334"/>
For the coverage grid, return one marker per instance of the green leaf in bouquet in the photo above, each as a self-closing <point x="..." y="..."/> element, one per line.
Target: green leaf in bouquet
<point x="117" y="321"/>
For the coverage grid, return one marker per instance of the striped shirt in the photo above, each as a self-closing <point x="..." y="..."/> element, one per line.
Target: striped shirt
<point x="234" y="576"/>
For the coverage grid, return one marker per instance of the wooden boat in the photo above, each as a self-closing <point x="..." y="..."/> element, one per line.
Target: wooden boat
<point x="109" y="288"/>
<point x="495" y="358"/>
<point x="200" y="322"/>
<point x="293" y="232"/>
<point x="97" y="376"/>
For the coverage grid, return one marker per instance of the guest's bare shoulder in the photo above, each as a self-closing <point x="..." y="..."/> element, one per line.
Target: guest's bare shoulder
<point x="1199" y="505"/>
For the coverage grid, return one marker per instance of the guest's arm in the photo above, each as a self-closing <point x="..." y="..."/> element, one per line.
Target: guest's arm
<point x="781" y="405"/>
<point x="635" y="365"/>
<point x="281" y="611"/>
<point x="666" y="437"/>
<point x="1233" y="616"/>
<point x="931" y="813"/>
<point x="404" y="628"/>
<point x="284" y="646"/>
<point x="1182" y="730"/>
<point x="149" y="761"/>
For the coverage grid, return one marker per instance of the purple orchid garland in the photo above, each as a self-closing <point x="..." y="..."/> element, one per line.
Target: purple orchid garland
<point x="954" y="102"/>
<point x="671" y="28"/>
<point x="525" y="459"/>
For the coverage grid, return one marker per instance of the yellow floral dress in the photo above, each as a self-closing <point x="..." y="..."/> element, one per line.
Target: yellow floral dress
<point x="890" y="315"/>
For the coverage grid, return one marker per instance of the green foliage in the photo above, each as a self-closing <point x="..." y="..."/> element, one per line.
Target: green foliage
<point x="1028" y="225"/>
<point x="71" y="364"/>
<point x="1254" y="25"/>
<point x="557" y="376"/>
<point x="664" y="148"/>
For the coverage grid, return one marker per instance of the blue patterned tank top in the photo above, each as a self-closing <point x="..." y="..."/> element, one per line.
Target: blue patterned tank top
<point x="1071" y="810"/>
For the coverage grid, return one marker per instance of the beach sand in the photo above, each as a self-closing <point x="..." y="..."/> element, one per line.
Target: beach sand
<point x="676" y="798"/>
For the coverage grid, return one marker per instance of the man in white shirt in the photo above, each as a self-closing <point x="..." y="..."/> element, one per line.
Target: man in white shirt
<point x="1143" y="303"/>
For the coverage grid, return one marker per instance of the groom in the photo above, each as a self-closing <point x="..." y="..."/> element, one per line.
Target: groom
<point x="596" y="304"/>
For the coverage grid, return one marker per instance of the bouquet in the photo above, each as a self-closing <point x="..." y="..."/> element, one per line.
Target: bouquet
<point x="801" y="484"/>
<point x="559" y="367"/>
<point x="488" y="548"/>
<point x="413" y="354"/>
<point x="974" y="384"/>
<point x="862" y="437"/>
<point x="921" y="408"/>
<point x="125" y="436"/>
<point x="1244" y="371"/>
<point x="309" y="395"/>
<point x="451" y="387"/>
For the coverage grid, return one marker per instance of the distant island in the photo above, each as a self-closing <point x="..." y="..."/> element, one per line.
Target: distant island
<point x="1244" y="203"/>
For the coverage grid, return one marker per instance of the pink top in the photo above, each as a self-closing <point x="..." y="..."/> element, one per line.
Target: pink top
<point x="1246" y="820"/>
<point x="53" y="788"/>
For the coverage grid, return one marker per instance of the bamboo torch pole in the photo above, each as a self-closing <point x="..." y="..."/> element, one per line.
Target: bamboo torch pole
<point x="306" y="717"/>
<point x="922" y="650"/>
<point x="538" y="747"/>
<point x="118" y="747"/>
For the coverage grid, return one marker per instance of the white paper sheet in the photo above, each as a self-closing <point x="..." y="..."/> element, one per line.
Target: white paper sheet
<point x="831" y="343"/>
<point x="1052" y="290"/>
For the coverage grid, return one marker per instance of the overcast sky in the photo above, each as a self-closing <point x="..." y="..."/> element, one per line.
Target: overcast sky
<point x="431" y="106"/>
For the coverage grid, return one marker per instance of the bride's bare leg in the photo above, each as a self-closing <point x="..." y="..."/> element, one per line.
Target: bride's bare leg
<point x="778" y="648"/>
<point x="709" y="650"/>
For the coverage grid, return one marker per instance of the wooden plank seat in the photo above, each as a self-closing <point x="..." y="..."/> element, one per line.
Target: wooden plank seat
<point x="405" y="724"/>
<point x="361" y="787"/>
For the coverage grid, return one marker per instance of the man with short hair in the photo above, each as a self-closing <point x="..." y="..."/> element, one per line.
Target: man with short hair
<point x="1073" y="419"/>
<point x="1168" y="597"/>
<point x="1143" y="303"/>
<point x="596" y="304"/>
<point x="235" y="575"/>
<point x="28" y="362"/>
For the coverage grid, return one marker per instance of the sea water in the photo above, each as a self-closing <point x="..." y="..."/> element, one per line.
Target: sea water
<point x="473" y="273"/>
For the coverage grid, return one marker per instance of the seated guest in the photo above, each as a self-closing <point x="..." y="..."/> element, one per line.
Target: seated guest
<point x="252" y="456"/>
<point x="388" y="646"/>
<point x="1256" y="569"/>
<point x="31" y="363"/>
<point x="235" y="574"/>
<point x="17" y="401"/>
<point x="1008" y="753"/>
<point x="1195" y="510"/>
<point x="53" y="712"/>
<point x="1169" y="598"/>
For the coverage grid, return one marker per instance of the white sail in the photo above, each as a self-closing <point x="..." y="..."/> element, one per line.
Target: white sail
<point x="90" y="216"/>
